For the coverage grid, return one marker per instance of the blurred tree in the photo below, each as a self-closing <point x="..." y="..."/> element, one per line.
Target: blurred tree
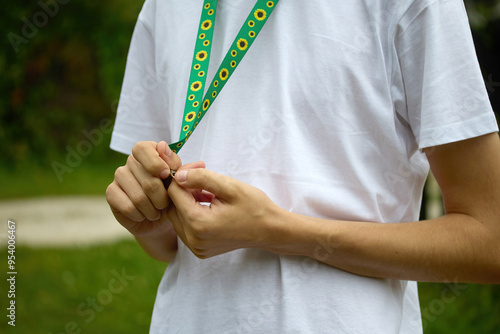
<point x="62" y="68"/>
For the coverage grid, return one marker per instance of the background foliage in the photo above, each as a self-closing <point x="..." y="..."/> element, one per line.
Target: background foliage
<point x="63" y="79"/>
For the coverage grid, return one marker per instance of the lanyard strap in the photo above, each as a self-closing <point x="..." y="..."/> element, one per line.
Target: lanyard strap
<point x="195" y="109"/>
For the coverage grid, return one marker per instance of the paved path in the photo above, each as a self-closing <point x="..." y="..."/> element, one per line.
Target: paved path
<point x="60" y="221"/>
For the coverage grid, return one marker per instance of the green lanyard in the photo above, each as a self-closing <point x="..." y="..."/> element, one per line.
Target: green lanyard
<point x="196" y="104"/>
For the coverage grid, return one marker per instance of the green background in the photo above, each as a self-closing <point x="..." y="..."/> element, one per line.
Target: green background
<point x="61" y="81"/>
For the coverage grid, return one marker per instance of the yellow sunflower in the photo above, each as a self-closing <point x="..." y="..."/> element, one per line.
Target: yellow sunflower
<point x="206" y="104"/>
<point x="270" y="4"/>
<point x="251" y="34"/>
<point x="251" y="23"/>
<point x="197" y="67"/>
<point x="223" y="74"/>
<point x="190" y="116"/>
<point x="179" y="145"/>
<point x="207" y="6"/>
<point x="210" y="12"/>
<point x="196" y="86"/>
<point x="191" y="97"/>
<point x="214" y="94"/>
<point x="242" y="44"/>
<point x="206" y="43"/>
<point x="201" y="55"/>
<point x="201" y="73"/>
<point x="216" y="83"/>
<point x="195" y="104"/>
<point x="233" y="63"/>
<point x="202" y="36"/>
<point x="207" y="24"/>
<point x="234" y="53"/>
<point x="260" y="14"/>
<point x="185" y="128"/>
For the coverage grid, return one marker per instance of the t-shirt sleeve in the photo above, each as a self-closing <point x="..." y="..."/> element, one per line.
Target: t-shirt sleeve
<point x="446" y="98"/>
<point x="140" y="114"/>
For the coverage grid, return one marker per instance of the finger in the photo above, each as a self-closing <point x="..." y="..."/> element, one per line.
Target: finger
<point x="178" y="227"/>
<point x="192" y="165"/>
<point x="129" y="184"/>
<point x="224" y="187"/>
<point x="152" y="186"/>
<point x="173" y="161"/>
<point x="202" y="196"/>
<point x="146" y="154"/>
<point x="119" y="202"/>
<point x="182" y="198"/>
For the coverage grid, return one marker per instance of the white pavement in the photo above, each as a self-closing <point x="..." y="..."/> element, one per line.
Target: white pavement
<point x="60" y="221"/>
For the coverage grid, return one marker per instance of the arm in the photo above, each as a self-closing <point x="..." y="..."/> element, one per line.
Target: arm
<point x="463" y="245"/>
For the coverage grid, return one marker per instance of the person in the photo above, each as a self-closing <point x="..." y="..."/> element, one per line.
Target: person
<point x="295" y="202"/>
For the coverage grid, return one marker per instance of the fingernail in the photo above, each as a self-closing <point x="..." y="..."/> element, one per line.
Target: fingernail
<point x="165" y="173"/>
<point x="181" y="176"/>
<point x="168" y="151"/>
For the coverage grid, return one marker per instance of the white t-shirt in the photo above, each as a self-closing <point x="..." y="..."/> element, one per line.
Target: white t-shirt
<point x="327" y="114"/>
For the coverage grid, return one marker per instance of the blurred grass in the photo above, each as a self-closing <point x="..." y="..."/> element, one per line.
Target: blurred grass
<point x="89" y="178"/>
<point x="56" y="287"/>
<point x="52" y="284"/>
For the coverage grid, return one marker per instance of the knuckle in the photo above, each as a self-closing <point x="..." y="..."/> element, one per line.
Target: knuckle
<point x="130" y="211"/>
<point x="139" y="198"/>
<point x="130" y="159"/>
<point x="110" y="190"/>
<point x="139" y="146"/>
<point x="155" y="166"/>
<point x="196" y="244"/>
<point x="151" y="186"/>
<point x="198" y="228"/>
<point x="119" y="172"/>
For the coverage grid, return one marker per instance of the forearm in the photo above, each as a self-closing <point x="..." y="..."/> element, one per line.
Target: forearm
<point x="453" y="247"/>
<point x="160" y="246"/>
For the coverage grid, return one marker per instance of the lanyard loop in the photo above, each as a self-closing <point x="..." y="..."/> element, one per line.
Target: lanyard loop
<point x="198" y="104"/>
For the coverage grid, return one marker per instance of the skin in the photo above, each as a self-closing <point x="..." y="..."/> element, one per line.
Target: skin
<point x="463" y="245"/>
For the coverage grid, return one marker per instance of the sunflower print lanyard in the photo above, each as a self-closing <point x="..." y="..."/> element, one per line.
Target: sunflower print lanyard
<point x="196" y="104"/>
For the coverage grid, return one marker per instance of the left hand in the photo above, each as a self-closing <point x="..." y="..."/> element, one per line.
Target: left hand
<point x="239" y="215"/>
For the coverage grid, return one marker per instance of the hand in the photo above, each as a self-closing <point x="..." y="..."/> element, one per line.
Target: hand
<point x="137" y="195"/>
<point x="239" y="215"/>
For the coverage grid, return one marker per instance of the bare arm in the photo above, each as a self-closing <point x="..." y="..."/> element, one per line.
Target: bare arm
<point x="463" y="245"/>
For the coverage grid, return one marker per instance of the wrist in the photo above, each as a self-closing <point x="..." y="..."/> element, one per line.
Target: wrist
<point x="295" y="234"/>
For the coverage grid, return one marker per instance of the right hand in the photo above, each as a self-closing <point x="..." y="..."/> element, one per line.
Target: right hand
<point x="137" y="195"/>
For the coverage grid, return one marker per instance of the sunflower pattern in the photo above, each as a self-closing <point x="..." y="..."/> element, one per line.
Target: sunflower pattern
<point x="207" y="24"/>
<point x="224" y="74"/>
<point x="196" y="86"/>
<point x="260" y="14"/>
<point x="190" y="116"/>
<point x="201" y="55"/>
<point x="242" y="43"/>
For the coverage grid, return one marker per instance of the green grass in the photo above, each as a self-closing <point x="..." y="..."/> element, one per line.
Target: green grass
<point x="55" y="289"/>
<point x="34" y="180"/>
<point x="460" y="308"/>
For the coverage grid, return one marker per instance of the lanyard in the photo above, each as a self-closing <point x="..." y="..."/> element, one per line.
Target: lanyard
<point x="198" y="104"/>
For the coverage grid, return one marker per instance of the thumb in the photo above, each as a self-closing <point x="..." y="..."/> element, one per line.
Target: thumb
<point x="199" y="178"/>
